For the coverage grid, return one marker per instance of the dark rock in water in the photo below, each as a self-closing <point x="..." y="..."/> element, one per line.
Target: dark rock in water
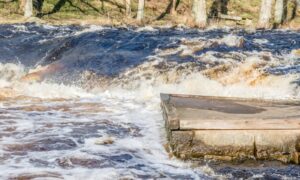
<point x="57" y="53"/>
<point x="241" y="174"/>
<point x="122" y="158"/>
<point x="78" y="161"/>
<point x="88" y="163"/>
<point x="39" y="162"/>
<point x="47" y="144"/>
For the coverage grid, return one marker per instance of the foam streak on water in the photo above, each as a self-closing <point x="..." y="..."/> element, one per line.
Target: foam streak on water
<point x="94" y="111"/>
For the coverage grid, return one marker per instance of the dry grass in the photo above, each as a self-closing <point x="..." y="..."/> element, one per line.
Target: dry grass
<point x="112" y="12"/>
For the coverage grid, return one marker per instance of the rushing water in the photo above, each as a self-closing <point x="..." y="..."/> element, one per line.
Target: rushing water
<point x="95" y="114"/>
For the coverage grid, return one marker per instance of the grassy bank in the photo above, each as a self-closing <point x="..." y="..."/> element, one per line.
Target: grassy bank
<point x="112" y="12"/>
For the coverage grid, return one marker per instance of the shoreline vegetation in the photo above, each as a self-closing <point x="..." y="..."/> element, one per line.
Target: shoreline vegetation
<point x="263" y="14"/>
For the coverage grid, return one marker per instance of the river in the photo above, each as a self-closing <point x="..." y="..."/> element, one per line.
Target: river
<point x="94" y="112"/>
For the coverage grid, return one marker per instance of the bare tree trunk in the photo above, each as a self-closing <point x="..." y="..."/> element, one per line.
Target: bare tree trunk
<point x="128" y="7"/>
<point x="280" y="11"/>
<point x="294" y="9"/>
<point x="265" y="14"/>
<point x="199" y="11"/>
<point x="223" y="7"/>
<point x="173" y="10"/>
<point x="140" y="13"/>
<point x="28" y="8"/>
<point x="218" y="7"/>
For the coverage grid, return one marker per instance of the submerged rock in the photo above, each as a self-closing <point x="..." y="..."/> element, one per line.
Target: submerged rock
<point x="105" y="141"/>
<point x="47" y="144"/>
<point x="79" y="161"/>
<point x="233" y="41"/>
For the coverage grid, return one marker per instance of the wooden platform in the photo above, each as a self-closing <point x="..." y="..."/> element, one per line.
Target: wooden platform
<point x="232" y="128"/>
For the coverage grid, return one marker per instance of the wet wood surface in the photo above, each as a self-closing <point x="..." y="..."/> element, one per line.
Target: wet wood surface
<point x="219" y="113"/>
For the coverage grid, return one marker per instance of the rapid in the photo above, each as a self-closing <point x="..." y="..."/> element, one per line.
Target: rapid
<point x="89" y="107"/>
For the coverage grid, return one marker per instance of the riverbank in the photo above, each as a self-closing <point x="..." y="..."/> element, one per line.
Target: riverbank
<point x="156" y="14"/>
<point x="293" y="25"/>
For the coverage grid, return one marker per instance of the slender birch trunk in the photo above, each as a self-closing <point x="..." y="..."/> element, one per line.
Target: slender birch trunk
<point x="280" y="11"/>
<point x="140" y="13"/>
<point x="265" y="14"/>
<point x="28" y="8"/>
<point x="128" y="7"/>
<point x="199" y="11"/>
<point x="173" y="10"/>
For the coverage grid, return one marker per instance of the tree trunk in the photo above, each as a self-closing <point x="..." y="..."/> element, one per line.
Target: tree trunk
<point x="218" y="7"/>
<point x="173" y="10"/>
<point x="265" y="14"/>
<point x="128" y="7"/>
<point x="199" y="11"/>
<point x="28" y="9"/>
<point x="294" y="9"/>
<point x="140" y="13"/>
<point x="280" y="11"/>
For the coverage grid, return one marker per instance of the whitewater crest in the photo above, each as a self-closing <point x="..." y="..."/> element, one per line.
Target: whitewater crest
<point x="12" y="85"/>
<point x="234" y="73"/>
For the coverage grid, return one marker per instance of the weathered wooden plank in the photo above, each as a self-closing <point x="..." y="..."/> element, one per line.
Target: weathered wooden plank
<point x="232" y="129"/>
<point x="169" y="113"/>
<point x="252" y="100"/>
<point x="239" y="124"/>
<point x="204" y="113"/>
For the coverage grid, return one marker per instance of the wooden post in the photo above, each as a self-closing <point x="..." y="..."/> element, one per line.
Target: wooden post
<point x="265" y="14"/>
<point x="128" y="7"/>
<point x="280" y="11"/>
<point x="28" y="9"/>
<point x="199" y="12"/>
<point x="140" y="13"/>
